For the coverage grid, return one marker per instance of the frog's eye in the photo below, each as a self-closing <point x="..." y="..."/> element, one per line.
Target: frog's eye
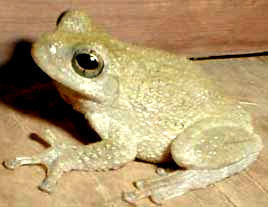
<point x="87" y="63"/>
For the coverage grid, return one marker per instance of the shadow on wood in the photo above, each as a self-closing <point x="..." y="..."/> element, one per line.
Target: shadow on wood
<point x="24" y="87"/>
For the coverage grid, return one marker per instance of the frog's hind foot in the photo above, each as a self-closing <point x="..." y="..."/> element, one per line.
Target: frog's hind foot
<point x="161" y="188"/>
<point x="179" y="182"/>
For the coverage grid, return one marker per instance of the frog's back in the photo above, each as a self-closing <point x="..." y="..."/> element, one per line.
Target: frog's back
<point x="168" y="88"/>
<point x="165" y="94"/>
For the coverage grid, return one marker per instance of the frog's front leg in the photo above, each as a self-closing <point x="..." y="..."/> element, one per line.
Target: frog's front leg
<point x="62" y="157"/>
<point x="210" y="151"/>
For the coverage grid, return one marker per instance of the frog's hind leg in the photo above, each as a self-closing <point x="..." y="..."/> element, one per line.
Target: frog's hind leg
<point x="209" y="153"/>
<point x="179" y="182"/>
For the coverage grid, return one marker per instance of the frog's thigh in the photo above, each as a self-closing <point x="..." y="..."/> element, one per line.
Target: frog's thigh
<point x="214" y="143"/>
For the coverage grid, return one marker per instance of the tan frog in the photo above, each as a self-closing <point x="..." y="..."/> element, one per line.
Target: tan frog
<point x="143" y="103"/>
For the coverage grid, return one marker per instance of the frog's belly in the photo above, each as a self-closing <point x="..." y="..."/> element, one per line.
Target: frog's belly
<point x="154" y="151"/>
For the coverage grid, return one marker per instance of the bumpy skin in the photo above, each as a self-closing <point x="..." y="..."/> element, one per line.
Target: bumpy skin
<point x="145" y="104"/>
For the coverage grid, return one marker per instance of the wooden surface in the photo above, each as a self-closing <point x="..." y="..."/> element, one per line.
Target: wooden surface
<point x="29" y="102"/>
<point x="190" y="27"/>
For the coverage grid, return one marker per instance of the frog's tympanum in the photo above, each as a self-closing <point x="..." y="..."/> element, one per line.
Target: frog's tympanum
<point x="144" y="103"/>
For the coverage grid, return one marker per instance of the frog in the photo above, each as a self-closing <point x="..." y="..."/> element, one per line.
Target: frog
<point x="145" y="104"/>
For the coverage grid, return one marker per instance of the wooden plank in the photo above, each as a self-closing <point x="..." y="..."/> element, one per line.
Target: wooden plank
<point x="242" y="191"/>
<point x="23" y="113"/>
<point x="29" y="102"/>
<point x="198" y="28"/>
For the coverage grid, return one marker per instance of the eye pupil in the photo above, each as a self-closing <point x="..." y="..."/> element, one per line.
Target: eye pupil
<point x="87" y="61"/>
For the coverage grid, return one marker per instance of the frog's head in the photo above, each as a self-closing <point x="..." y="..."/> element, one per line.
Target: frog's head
<point x="76" y="56"/>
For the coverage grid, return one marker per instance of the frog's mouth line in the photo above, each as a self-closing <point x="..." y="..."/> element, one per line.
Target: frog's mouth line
<point x="76" y="95"/>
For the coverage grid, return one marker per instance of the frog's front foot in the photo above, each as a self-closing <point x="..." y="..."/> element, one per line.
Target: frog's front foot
<point x="57" y="159"/>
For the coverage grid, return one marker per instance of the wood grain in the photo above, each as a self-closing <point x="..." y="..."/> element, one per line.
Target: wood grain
<point x="29" y="102"/>
<point x="194" y="28"/>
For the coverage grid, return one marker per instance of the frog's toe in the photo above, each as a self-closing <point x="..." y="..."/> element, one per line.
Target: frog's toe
<point x="10" y="164"/>
<point x="46" y="186"/>
<point x="134" y="197"/>
<point x="140" y="184"/>
<point x="19" y="161"/>
<point x="161" y="171"/>
<point x="155" y="199"/>
<point x="130" y="197"/>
